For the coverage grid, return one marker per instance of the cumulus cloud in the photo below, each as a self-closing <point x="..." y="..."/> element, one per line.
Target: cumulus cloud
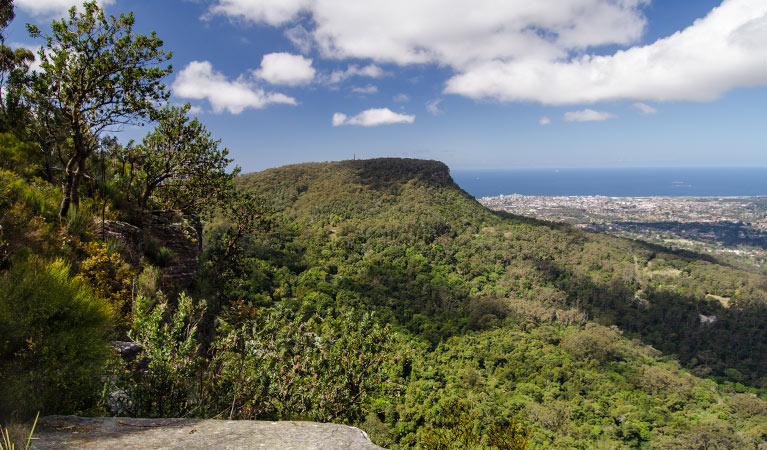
<point x="537" y="51"/>
<point x="433" y="107"/>
<point x="52" y="7"/>
<point x="718" y="53"/>
<point x="353" y="70"/>
<point x="198" y="80"/>
<point x="273" y="12"/>
<point x="644" y="108"/>
<point x="369" y="89"/>
<point x="588" y="115"/>
<point x="544" y="121"/>
<point x="287" y="69"/>
<point x="452" y="32"/>
<point x="401" y="98"/>
<point x="372" y="117"/>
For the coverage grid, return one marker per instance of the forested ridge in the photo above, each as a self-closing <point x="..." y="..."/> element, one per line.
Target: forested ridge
<point x="150" y="279"/>
<point x="433" y="248"/>
<point x="592" y="319"/>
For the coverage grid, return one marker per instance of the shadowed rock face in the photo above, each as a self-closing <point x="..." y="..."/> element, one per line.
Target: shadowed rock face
<point x="169" y="233"/>
<point x="56" y="432"/>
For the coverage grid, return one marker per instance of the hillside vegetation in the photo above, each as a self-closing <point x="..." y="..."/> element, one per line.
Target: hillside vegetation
<point x="586" y="337"/>
<point x="420" y="244"/>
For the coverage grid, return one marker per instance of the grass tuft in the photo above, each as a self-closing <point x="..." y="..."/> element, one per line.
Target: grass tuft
<point x="17" y="433"/>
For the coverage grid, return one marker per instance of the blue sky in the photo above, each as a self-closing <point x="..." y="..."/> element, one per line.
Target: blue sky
<point x="476" y="84"/>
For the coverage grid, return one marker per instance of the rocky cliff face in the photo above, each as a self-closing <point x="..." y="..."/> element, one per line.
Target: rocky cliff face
<point x="168" y="232"/>
<point x="55" y="432"/>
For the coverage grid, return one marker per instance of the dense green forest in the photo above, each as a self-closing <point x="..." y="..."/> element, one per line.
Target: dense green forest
<point x="372" y="292"/>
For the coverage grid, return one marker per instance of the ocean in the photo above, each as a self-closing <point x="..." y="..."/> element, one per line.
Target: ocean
<point x="647" y="182"/>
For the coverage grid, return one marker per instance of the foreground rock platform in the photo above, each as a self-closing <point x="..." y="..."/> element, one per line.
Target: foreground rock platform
<point x="63" y="432"/>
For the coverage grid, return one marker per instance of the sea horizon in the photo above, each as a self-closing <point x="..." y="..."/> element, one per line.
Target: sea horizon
<point x="616" y="182"/>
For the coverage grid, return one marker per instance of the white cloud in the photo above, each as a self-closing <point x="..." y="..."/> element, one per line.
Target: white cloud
<point x="339" y="119"/>
<point x="287" y="69"/>
<point x="273" y="12"/>
<point x="451" y="32"/>
<point x="644" y="108"/>
<point x="52" y="7"/>
<point x="353" y="70"/>
<point x="195" y="109"/>
<point x="300" y="38"/>
<point x="539" y="50"/>
<point x="544" y="121"/>
<point x="199" y="81"/>
<point x="369" y="89"/>
<point x="401" y="98"/>
<point x="588" y="115"/>
<point x="372" y="117"/>
<point x="433" y="107"/>
<point x="718" y="53"/>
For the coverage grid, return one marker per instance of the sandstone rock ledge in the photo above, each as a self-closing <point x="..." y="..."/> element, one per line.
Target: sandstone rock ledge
<point x="57" y="432"/>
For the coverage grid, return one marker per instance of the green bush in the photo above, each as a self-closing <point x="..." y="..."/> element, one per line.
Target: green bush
<point x="169" y="340"/>
<point x="274" y="366"/>
<point x="53" y="340"/>
<point x="156" y="254"/>
<point x="80" y="221"/>
<point x="28" y="212"/>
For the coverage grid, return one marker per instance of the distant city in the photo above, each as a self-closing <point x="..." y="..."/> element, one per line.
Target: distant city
<point x="732" y="228"/>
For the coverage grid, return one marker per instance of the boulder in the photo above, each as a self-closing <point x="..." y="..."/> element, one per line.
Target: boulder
<point x="55" y="432"/>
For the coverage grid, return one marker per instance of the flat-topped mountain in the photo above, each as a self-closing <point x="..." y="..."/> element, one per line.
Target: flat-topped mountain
<point x="399" y="237"/>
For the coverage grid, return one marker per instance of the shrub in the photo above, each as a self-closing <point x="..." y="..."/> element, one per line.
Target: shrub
<point x="271" y="365"/>
<point x="111" y="278"/>
<point x="170" y="349"/>
<point x="28" y="211"/>
<point x="53" y="340"/>
<point x="80" y="222"/>
<point x="157" y="255"/>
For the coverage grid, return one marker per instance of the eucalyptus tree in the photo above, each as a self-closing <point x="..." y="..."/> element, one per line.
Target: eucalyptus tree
<point x="99" y="77"/>
<point x="177" y="166"/>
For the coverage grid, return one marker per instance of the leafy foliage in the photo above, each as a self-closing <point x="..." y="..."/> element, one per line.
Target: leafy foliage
<point x="26" y="209"/>
<point x="53" y="333"/>
<point x="170" y="347"/>
<point x="96" y="74"/>
<point x="177" y="165"/>
<point x="270" y="365"/>
<point x="111" y="279"/>
<point x="457" y="431"/>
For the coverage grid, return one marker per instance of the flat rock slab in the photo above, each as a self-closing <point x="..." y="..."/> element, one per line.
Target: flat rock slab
<point x="56" y="432"/>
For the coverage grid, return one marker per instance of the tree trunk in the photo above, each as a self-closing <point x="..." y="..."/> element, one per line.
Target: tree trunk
<point x="67" y="186"/>
<point x="70" y="187"/>
<point x="78" y="179"/>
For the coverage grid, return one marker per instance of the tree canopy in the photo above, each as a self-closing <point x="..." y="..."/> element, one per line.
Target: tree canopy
<point x="178" y="164"/>
<point x="96" y="75"/>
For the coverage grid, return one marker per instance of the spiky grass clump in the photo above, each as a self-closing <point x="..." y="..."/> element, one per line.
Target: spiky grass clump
<point x="17" y="433"/>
